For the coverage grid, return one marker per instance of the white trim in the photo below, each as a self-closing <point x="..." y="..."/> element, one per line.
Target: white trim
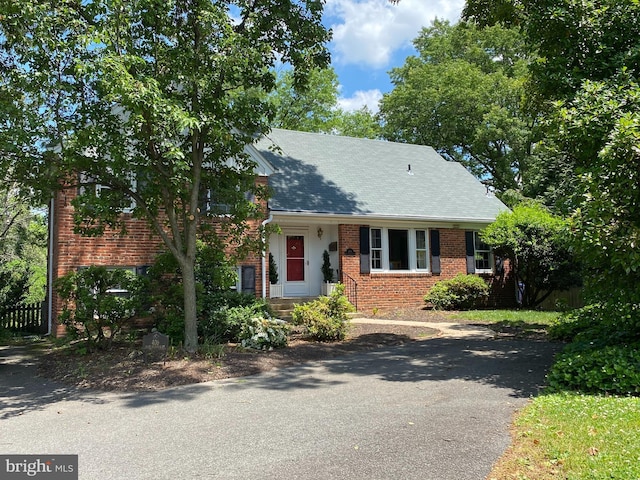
<point x="299" y="288"/>
<point x="412" y="257"/>
<point x="323" y="217"/>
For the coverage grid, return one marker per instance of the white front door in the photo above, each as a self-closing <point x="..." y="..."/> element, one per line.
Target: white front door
<point x="296" y="275"/>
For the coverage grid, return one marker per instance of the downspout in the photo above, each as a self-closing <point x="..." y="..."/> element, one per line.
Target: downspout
<point x="50" y="266"/>
<point x="264" y="256"/>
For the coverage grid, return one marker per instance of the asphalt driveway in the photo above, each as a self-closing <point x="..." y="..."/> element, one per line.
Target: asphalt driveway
<point x="436" y="409"/>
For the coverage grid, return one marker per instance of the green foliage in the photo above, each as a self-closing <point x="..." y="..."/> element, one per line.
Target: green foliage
<point x="604" y="355"/>
<point x="361" y="123"/>
<point x="273" y="270"/>
<point x="92" y="310"/>
<point x="458" y="293"/>
<point x="613" y="369"/>
<point x="214" y="275"/>
<point x="325" y="319"/>
<point x="23" y="253"/>
<point x="264" y="333"/>
<point x="315" y="108"/>
<point x="463" y="95"/>
<point x="13" y="287"/>
<point x="5" y="336"/>
<point x="537" y="244"/>
<point x="312" y="109"/>
<point x="226" y="318"/>
<point x="327" y="271"/>
<point x="168" y="104"/>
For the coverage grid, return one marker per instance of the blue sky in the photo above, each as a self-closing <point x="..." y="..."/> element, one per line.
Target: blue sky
<point x="370" y="37"/>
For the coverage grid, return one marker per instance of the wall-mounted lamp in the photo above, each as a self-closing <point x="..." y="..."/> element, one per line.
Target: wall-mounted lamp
<point x="320" y="232"/>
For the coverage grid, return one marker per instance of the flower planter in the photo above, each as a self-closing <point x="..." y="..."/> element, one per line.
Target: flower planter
<point x="275" y="290"/>
<point x="328" y="288"/>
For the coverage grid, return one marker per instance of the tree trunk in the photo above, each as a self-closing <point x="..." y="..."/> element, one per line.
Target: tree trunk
<point x="190" y="310"/>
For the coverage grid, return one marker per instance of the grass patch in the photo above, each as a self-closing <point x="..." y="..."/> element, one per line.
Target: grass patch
<point x="510" y="316"/>
<point x="574" y="436"/>
<point x="518" y="323"/>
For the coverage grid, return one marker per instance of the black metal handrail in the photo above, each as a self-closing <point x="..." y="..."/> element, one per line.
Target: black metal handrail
<point x="350" y="289"/>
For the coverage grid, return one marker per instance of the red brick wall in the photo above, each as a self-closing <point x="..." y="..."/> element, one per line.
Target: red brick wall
<point x="138" y="247"/>
<point x="393" y="290"/>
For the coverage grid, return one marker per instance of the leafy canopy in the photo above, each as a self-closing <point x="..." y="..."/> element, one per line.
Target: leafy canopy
<point x="463" y="96"/>
<point x="536" y="243"/>
<point x="149" y="101"/>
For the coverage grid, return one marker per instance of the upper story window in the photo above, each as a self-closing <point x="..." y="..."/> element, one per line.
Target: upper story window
<point x="394" y="249"/>
<point x="89" y="185"/>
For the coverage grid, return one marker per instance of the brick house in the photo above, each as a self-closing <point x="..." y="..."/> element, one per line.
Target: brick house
<point x="395" y="218"/>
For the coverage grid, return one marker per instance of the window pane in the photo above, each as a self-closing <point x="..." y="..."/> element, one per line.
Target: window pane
<point x="421" y="256"/>
<point x="376" y="238"/>
<point x="482" y="261"/>
<point x="421" y="240"/>
<point x="398" y="250"/>
<point x="376" y="259"/>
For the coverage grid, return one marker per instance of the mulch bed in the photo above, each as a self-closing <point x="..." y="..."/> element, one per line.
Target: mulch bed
<point x="124" y="367"/>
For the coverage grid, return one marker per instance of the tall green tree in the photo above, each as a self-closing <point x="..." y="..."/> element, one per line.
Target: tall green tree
<point x="316" y="108"/>
<point x="313" y="108"/>
<point x="362" y="123"/>
<point x="153" y="104"/>
<point x="587" y="78"/>
<point x="463" y="95"/>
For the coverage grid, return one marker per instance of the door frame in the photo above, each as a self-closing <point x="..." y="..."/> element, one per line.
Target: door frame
<point x="297" y="288"/>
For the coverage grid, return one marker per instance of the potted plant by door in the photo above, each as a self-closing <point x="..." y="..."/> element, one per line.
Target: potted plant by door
<point x="275" y="289"/>
<point x="327" y="275"/>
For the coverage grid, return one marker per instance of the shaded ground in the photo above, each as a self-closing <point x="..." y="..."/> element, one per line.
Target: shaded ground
<point x="124" y="368"/>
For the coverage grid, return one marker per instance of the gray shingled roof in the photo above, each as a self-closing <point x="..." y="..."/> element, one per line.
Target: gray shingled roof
<point x="329" y="174"/>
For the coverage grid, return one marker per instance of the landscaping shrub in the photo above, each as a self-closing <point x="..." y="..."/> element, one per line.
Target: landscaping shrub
<point x="325" y="319"/>
<point x="264" y="333"/>
<point x="604" y="353"/>
<point x="613" y="369"/>
<point x="92" y="311"/>
<point x="459" y="293"/>
<point x="225" y="322"/>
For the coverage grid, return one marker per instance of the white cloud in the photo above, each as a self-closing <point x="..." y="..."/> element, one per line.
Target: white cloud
<point x="367" y="32"/>
<point x="370" y="98"/>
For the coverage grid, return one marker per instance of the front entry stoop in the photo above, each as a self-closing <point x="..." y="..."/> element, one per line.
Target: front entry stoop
<point x="283" y="307"/>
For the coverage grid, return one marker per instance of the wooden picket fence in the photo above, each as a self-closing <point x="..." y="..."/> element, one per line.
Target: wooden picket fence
<point x="25" y="318"/>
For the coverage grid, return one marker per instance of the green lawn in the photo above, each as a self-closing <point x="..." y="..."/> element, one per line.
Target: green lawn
<point x="575" y="436"/>
<point x="565" y="435"/>
<point x="521" y="323"/>
<point x="509" y="316"/>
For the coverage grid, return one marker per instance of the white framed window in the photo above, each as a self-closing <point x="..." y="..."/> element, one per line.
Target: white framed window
<point x="376" y="248"/>
<point x="422" y="259"/>
<point x="399" y="249"/>
<point x="482" y="254"/>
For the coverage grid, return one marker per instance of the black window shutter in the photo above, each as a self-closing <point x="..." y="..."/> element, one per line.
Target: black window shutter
<point x="434" y="244"/>
<point x="248" y="280"/>
<point x="365" y="262"/>
<point x="471" y="253"/>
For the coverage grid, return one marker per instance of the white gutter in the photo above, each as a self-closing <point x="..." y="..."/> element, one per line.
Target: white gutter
<point x="50" y="266"/>
<point x="322" y="216"/>
<point x="264" y="256"/>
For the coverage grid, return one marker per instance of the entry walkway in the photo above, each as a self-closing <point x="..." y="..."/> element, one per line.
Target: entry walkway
<point x="447" y="329"/>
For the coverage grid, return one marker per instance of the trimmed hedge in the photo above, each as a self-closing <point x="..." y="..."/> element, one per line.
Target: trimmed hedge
<point x="459" y="293"/>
